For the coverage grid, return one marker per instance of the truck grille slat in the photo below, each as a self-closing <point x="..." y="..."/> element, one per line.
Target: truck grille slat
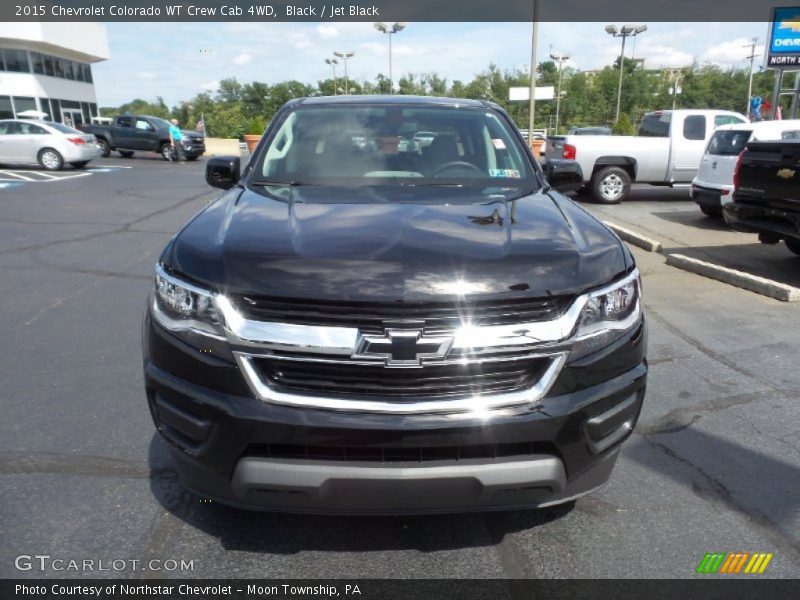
<point x="373" y="316"/>
<point x="451" y="380"/>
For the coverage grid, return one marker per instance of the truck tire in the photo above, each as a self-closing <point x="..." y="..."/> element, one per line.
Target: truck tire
<point x="126" y="153"/>
<point x="793" y="245"/>
<point x="610" y="185"/>
<point x="167" y="151"/>
<point x="50" y="159"/>
<point x="104" y="147"/>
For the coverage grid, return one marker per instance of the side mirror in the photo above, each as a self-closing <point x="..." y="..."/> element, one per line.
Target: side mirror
<point x="223" y="171"/>
<point x="563" y="175"/>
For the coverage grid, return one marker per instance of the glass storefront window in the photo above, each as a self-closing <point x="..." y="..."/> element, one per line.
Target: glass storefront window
<point x="87" y="73"/>
<point x="6" y="111"/>
<point x="24" y="103"/>
<point x="37" y="60"/>
<point x="48" y="66"/>
<point x="58" y="65"/>
<point x="16" y="61"/>
<point x="56" y="108"/>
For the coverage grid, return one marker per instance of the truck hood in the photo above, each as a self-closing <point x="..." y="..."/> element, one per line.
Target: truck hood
<point x="402" y="245"/>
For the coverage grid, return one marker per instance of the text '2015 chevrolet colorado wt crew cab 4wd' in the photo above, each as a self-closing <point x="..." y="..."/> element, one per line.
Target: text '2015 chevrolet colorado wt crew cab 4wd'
<point x="364" y="326"/>
<point x="766" y="198"/>
<point x="666" y="152"/>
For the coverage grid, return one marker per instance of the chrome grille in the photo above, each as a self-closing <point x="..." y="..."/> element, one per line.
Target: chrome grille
<point x="353" y="379"/>
<point x="371" y="317"/>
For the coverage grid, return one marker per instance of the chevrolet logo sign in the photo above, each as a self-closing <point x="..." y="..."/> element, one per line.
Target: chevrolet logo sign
<point x="402" y="347"/>
<point x="786" y="173"/>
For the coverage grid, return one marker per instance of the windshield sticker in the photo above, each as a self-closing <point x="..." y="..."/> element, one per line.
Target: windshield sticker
<point x="510" y="173"/>
<point x="499" y="144"/>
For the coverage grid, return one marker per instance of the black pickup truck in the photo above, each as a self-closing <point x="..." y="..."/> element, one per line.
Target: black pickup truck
<point x="766" y="200"/>
<point x="359" y="325"/>
<point x="129" y="133"/>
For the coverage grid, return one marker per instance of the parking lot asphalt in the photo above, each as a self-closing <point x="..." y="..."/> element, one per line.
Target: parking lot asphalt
<point x="713" y="466"/>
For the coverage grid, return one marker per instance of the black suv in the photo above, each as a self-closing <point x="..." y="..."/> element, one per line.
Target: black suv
<point x="361" y="325"/>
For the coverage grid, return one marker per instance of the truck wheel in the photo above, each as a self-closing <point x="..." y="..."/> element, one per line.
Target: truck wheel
<point x="126" y="153"/>
<point x="106" y="149"/>
<point x="793" y="245"/>
<point x="192" y="157"/>
<point x="167" y="151"/>
<point x="610" y="185"/>
<point x="50" y="159"/>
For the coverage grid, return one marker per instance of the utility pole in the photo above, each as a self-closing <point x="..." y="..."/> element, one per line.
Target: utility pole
<point x="534" y="37"/>
<point x="752" y="45"/>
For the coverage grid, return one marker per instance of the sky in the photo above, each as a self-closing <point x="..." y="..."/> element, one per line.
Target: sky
<point x="178" y="60"/>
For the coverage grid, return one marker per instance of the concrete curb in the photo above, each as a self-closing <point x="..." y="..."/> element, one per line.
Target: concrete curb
<point x="637" y="239"/>
<point x="753" y="283"/>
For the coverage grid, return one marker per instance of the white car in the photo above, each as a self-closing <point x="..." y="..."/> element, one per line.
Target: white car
<point x="713" y="186"/>
<point x="51" y="145"/>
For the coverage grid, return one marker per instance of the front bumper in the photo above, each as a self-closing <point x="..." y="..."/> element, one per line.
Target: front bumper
<point x="239" y="450"/>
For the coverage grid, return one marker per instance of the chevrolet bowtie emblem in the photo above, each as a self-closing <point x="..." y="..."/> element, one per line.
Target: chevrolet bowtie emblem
<point x="786" y="173"/>
<point x="402" y="347"/>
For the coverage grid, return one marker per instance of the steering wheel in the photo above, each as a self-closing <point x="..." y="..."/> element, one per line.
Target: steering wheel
<point x="455" y="165"/>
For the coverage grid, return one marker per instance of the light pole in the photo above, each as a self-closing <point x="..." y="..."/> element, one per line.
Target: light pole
<point x="623" y="32"/>
<point x="532" y="106"/>
<point x="396" y="28"/>
<point x="344" y="56"/>
<point x="560" y="59"/>
<point x="333" y="62"/>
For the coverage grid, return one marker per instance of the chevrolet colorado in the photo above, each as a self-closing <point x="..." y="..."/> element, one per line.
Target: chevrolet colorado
<point x="766" y="198"/>
<point x="380" y="328"/>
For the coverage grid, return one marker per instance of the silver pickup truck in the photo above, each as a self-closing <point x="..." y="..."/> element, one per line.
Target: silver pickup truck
<point x="666" y="152"/>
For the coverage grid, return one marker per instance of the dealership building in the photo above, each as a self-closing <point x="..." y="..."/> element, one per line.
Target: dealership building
<point x="47" y="67"/>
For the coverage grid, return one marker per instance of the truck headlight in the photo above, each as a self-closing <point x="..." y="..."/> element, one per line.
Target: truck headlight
<point x="185" y="309"/>
<point x="609" y="313"/>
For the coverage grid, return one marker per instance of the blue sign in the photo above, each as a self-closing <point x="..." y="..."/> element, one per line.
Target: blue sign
<point x="784" y="39"/>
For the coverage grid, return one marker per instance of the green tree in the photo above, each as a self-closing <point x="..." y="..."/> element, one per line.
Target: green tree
<point x="623" y="126"/>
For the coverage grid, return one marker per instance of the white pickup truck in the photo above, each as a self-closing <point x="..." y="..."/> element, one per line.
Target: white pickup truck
<point x="666" y="152"/>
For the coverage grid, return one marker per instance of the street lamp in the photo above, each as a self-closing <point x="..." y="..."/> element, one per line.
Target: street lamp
<point x="333" y="62"/>
<point x="624" y="32"/>
<point x="344" y="56"/>
<point x="560" y="59"/>
<point x="396" y="28"/>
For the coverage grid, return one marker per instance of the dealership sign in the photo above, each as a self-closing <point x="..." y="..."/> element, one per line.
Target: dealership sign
<point x="784" y="38"/>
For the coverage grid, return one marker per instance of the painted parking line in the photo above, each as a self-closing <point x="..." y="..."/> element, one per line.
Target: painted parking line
<point x="31" y="176"/>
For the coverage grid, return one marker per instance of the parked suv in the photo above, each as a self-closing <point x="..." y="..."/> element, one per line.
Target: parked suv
<point x="377" y="329"/>
<point x="129" y="133"/>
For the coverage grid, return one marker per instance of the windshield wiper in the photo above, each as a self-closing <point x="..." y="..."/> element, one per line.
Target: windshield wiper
<point x="292" y="183"/>
<point x="435" y="184"/>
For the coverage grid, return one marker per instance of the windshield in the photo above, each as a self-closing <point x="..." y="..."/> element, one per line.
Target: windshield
<point x="728" y="143"/>
<point x="394" y="146"/>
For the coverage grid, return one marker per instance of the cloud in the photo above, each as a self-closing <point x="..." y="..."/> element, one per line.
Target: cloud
<point x="147" y="76"/>
<point x="327" y="32"/>
<point x="732" y="53"/>
<point x="242" y="59"/>
<point x="300" y="41"/>
<point x="666" y="56"/>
